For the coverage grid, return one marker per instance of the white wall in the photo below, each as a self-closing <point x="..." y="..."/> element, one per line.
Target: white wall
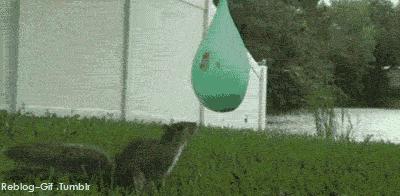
<point x="4" y="22"/>
<point x="163" y="41"/>
<point x="70" y="56"/>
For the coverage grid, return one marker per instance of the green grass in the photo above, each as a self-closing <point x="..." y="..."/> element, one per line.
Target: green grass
<point x="107" y="135"/>
<point x="252" y="164"/>
<point x="225" y="162"/>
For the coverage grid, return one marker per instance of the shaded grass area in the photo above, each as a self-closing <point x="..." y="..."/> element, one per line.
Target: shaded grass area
<point x="226" y="162"/>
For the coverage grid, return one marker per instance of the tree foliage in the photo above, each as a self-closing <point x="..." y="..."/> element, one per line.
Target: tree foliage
<point x="311" y="46"/>
<point x="351" y="46"/>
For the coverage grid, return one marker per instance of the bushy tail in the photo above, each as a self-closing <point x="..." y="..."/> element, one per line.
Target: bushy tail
<point x="71" y="159"/>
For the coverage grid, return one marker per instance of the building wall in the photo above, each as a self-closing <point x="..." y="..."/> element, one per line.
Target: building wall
<point x="70" y="56"/>
<point x="164" y="38"/>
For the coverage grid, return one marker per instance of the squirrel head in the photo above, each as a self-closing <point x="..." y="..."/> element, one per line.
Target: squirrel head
<point x="178" y="132"/>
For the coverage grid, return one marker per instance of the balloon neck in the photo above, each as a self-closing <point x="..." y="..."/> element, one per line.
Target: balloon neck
<point x="222" y="3"/>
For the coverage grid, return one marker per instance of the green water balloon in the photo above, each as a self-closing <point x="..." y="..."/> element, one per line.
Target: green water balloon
<point x="220" y="70"/>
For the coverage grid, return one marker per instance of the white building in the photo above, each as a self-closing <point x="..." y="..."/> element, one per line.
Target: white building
<point x="123" y="58"/>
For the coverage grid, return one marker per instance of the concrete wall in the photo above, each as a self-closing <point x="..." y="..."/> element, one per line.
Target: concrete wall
<point x="70" y="56"/>
<point x="8" y="52"/>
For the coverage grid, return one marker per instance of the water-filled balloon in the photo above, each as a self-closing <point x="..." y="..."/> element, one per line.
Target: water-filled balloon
<point x="220" y="70"/>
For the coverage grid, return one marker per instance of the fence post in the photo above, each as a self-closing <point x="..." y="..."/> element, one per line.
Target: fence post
<point x="9" y="28"/>
<point x="205" y="27"/>
<point x="260" y="98"/>
<point x="262" y="79"/>
<point x="125" y="56"/>
<point x="266" y="94"/>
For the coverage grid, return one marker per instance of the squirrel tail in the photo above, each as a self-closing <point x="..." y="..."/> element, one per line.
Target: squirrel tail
<point x="77" y="160"/>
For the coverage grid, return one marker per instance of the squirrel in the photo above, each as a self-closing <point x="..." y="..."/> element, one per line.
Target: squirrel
<point x="138" y="164"/>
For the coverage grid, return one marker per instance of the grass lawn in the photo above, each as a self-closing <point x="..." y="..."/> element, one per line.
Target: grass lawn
<point x="229" y="162"/>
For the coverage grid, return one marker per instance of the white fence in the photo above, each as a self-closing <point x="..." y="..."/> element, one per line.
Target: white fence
<point x="121" y="58"/>
<point x="8" y="51"/>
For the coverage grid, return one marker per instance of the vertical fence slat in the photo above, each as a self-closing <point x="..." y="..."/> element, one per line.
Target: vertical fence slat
<point x="125" y="56"/>
<point x="9" y="10"/>
<point x="205" y="27"/>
